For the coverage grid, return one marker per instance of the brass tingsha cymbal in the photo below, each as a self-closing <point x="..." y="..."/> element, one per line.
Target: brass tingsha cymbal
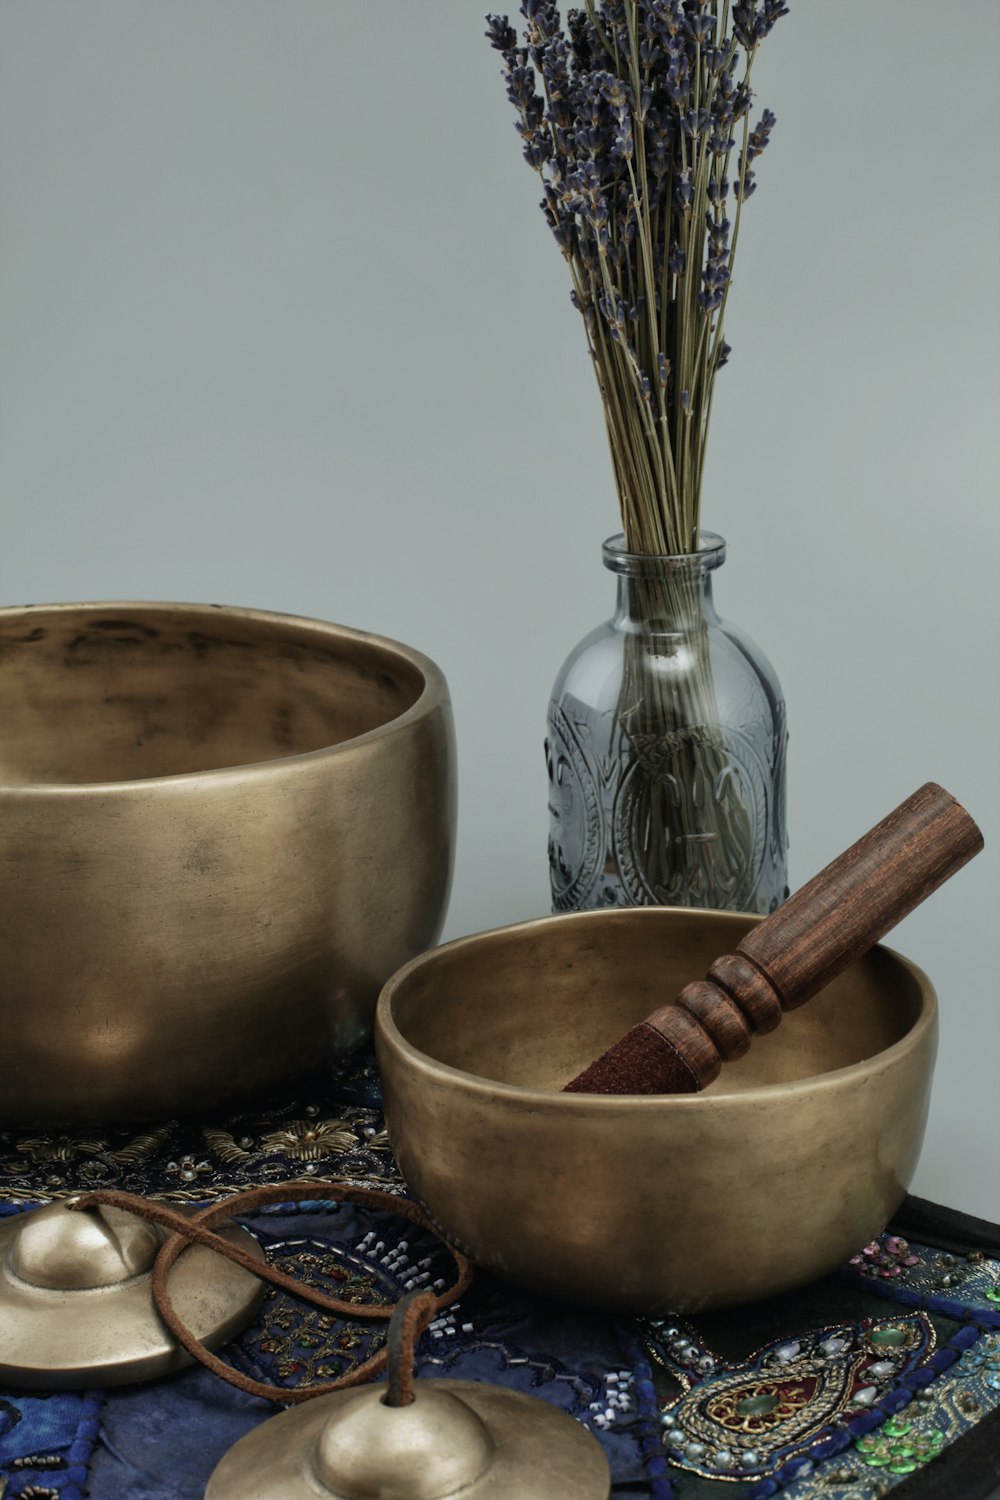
<point x="76" y="1304"/>
<point x="455" y="1437"/>
<point x="415" y="1440"/>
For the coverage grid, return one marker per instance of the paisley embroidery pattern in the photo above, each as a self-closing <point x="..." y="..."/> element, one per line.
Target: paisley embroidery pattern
<point x="741" y="1421"/>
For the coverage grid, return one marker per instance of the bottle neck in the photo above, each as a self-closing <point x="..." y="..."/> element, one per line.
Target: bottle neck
<point x="668" y="606"/>
<point x="664" y="595"/>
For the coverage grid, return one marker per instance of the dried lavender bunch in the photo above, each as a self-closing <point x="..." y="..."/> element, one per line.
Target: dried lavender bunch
<point x="630" y="115"/>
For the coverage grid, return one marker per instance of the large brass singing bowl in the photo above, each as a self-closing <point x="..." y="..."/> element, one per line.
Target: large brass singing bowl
<point x="220" y="831"/>
<point x="794" y="1158"/>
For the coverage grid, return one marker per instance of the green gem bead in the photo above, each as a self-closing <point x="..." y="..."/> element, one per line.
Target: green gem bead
<point x="893" y="1336"/>
<point x="902" y="1466"/>
<point x="755" y="1406"/>
<point x="866" y="1444"/>
<point x="878" y="1460"/>
<point x="903" y="1450"/>
<point x="936" y="1438"/>
<point x="993" y="1294"/>
<point x="896" y="1427"/>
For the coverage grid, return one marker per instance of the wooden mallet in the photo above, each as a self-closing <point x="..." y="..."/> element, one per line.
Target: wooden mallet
<point x="786" y="959"/>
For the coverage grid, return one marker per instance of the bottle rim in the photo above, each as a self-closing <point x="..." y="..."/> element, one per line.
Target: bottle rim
<point x="711" y="554"/>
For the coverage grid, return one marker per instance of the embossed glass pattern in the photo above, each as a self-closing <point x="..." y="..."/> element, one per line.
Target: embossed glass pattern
<point x="666" y="750"/>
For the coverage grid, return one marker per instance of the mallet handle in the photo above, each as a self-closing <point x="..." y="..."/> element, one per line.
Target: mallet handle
<point x="841" y="913"/>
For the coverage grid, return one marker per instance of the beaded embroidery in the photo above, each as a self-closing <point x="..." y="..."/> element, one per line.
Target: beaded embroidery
<point x="848" y="1422"/>
<point x="736" y="1422"/>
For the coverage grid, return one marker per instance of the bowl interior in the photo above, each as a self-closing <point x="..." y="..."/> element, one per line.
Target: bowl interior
<point x="98" y="693"/>
<point x="532" y="1005"/>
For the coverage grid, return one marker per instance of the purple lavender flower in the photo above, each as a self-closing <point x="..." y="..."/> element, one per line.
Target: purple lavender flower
<point x="560" y="218"/>
<point x="695" y="122"/>
<point x="760" y="134"/>
<point x="617" y="98"/>
<point x="677" y="79"/>
<point x="614" y="312"/>
<point x="664" y="18"/>
<point x="751" y="25"/>
<point x="771" y="11"/>
<point x="582" y="38"/>
<point x="650" y="53"/>
<point x="588" y="200"/>
<point x="629" y="110"/>
<point x="714" y="58"/>
<point x="741" y="99"/>
<point x="555" y="70"/>
<point x="745" y="23"/>
<point x="700" y="27"/>
<point x="659" y="144"/>
<point x="543" y="23"/>
<point x="501" y="33"/>
<point x="715" y="276"/>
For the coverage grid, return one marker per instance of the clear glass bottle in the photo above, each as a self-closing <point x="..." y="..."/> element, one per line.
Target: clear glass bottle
<point x="666" y="750"/>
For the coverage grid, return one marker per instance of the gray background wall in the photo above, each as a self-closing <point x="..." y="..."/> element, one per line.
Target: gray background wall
<point x="281" y="325"/>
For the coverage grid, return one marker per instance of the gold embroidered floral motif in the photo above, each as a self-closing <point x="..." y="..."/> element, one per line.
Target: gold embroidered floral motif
<point x="311" y="1140"/>
<point x="225" y="1146"/>
<point x="142" y="1147"/>
<point x="59" y="1147"/>
<point x="308" y="1345"/>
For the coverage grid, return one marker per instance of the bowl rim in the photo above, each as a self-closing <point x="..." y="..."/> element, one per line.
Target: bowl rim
<point x="388" y="1034"/>
<point x="432" y="695"/>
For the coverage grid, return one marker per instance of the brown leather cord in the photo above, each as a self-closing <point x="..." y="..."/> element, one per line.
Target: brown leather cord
<point x="410" y="1317"/>
<point x="197" y="1229"/>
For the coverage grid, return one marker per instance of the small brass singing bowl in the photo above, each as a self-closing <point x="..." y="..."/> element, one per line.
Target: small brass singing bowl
<point x="221" y="830"/>
<point x="795" y="1157"/>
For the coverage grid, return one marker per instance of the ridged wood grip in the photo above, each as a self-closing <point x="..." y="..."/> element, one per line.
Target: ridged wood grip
<point x="835" y="918"/>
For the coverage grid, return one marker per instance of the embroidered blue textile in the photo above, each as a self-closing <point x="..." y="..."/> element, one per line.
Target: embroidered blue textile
<point x="868" y="1383"/>
<point x="46" y="1443"/>
<point x="577" y="1362"/>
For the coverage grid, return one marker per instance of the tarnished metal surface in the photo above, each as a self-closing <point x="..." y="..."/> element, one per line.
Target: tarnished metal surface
<point x="799" y="1153"/>
<point x="76" y="1303"/>
<point x="458" y="1437"/>
<point x="220" y="831"/>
